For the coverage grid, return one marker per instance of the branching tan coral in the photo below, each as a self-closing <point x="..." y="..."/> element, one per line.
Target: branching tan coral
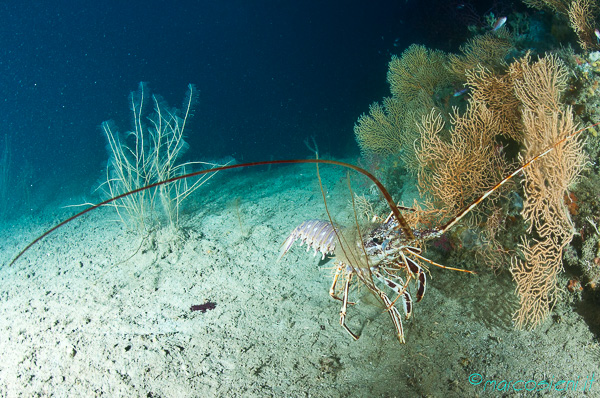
<point x="391" y="128"/>
<point x="546" y="121"/>
<point x="457" y="170"/>
<point x="424" y="215"/>
<point x="379" y="131"/>
<point x="559" y="6"/>
<point x="541" y="83"/>
<point x="496" y="90"/>
<point x="457" y="164"/>
<point x="418" y="68"/>
<point x="581" y="15"/>
<point x="488" y="50"/>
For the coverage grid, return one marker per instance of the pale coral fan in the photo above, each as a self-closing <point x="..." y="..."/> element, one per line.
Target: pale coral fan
<point x="149" y="154"/>
<point x="526" y="105"/>
<point x="496" y="90"/>
<point x="546" y="121"/>
<point x="377" y="132"/>
<point x="560" y="6"/>
<point x="391" y="127"/>
<point x="418" y="68"/>
<point x="580" y="13"/>
<point x="466" y="165"/>
<point x="488" y="51"/>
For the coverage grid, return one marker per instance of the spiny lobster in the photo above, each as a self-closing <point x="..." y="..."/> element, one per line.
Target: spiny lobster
<point x="390" y="253"/>
<point x="386" y="253"/>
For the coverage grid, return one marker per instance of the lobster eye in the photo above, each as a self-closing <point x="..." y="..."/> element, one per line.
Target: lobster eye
<point x="375" y="240"/>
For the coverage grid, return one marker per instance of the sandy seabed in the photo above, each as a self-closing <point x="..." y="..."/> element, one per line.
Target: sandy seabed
<point x="95" y="310"/>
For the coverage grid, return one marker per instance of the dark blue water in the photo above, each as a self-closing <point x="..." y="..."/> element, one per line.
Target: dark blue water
<point x="270" y="74"/>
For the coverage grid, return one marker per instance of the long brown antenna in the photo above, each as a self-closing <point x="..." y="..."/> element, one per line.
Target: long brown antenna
<point x="401" y="221"/>
<point x="467" y="209"/>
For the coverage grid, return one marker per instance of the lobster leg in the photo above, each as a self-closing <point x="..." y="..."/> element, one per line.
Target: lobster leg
<point x="415" y="269"/>
<point x="399" y="288"/>
<point x="394" y="314"/>
<point x="345" y="305"/>
<point x="338" y="271"/>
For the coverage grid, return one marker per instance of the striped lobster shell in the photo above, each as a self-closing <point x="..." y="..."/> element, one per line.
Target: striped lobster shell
<point x="317" y="234"/>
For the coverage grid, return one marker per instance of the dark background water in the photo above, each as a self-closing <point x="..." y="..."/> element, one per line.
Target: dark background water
<point x="270" y="73"/>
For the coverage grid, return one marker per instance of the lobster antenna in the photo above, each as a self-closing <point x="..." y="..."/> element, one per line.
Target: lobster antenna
<point x="480" y="199"/>
<point x="401" y="221"/>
